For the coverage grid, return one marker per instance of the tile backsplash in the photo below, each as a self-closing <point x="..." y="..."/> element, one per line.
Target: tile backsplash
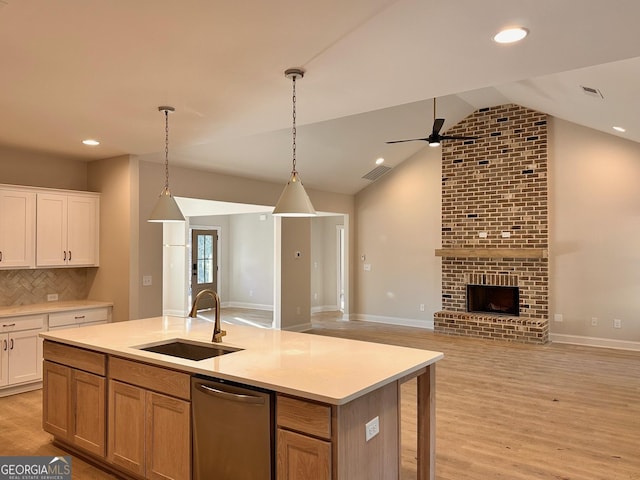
<point x="24" y="287"/>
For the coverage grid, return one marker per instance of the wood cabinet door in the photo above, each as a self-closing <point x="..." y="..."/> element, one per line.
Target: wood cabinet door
<point x="56" y="400"/>
<point x="88" y="393"/>
<point x="17" y="229"/>
<point x="168" y="438"/>
<point x="126" y="427"/>
<point x="82" y="229"/>
<point x="302" y="458"/>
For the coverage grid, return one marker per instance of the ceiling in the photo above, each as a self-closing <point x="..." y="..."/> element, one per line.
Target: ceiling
<point x="76" y="69"/>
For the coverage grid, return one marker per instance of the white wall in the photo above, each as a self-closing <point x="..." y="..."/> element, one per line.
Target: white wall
<point x="595" y="233"/>
<point x="251" y="252"/>
<point x="324" y="263"/>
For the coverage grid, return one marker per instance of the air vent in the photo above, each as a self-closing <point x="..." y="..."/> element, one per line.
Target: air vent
<point x="592" y="92"/>
<point x="376" y="173"/>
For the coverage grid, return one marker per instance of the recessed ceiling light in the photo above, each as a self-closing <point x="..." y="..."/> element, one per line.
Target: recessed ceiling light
<point x="620" y="129"/>
<point x="510" y="35"/>
<point x="91" y="142"/>
<point x="380" y="161"/>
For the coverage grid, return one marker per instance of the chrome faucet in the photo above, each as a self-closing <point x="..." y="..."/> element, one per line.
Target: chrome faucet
<point x="218" y="333"/>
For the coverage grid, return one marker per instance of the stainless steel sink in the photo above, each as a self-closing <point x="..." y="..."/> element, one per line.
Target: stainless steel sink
<point x="188" y="350"/>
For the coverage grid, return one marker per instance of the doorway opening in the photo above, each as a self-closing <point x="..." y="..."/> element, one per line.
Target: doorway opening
<point x="204" y="264"/>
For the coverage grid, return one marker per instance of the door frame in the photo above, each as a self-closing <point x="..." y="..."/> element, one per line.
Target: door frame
<point x="218" y="231"/>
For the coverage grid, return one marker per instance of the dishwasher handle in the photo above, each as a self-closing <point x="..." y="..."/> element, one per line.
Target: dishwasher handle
<point x="235" y="397"/>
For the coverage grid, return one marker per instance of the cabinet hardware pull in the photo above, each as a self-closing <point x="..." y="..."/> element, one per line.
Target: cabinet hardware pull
<point x="11" y="344"/>
<point x="8" y="324"/>
<point x="79" y="317"/>
<point x="65" y="256"/>
<point x="5" y="345"/>
<point x="69" y="255"/>
<point x="0" y="256"/>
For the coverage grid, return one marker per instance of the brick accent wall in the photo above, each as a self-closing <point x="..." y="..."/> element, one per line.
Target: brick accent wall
<point x="494" y="195"/>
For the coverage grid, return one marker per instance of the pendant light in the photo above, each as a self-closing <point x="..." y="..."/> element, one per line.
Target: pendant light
<point x="294" y="201"/>
<point x="166" y="209"/>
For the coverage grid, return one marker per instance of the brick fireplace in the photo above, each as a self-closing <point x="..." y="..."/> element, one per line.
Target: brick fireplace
<point x="495" y="223"/>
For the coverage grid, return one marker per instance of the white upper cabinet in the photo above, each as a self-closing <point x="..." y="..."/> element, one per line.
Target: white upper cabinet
<point x="17" y="228"/>
<point x="67" y="230"/>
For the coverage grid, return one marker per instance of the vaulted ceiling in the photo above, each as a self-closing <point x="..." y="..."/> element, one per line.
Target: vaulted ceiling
<point x="76" y="69"/>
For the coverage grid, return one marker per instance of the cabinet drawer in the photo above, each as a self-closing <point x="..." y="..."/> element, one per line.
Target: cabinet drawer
<point x="76" y="317"/>
<point x="303" y="416"/>
<point x="27" y="322"/>
<point x="87" y="360"/>
<point x="159" y="379"/>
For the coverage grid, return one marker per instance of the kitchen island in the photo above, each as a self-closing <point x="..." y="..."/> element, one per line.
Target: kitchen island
<point x="129" y="409"/>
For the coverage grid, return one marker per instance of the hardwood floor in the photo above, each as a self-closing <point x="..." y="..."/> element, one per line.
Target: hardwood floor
<point x="513" y="411"/>
<point x="503" y="411"/>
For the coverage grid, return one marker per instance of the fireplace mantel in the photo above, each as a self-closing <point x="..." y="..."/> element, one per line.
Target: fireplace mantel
<point x="492" y="252"/>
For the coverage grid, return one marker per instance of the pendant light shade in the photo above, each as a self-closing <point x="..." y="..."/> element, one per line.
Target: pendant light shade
<point x="166" y="209"/>
<point x="294" y="201"/>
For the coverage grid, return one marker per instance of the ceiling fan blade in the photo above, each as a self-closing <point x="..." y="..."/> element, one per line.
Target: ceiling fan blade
<point x="409" y="140"/>
<point x="437" y="125"/>
<point x="453" y="137"/>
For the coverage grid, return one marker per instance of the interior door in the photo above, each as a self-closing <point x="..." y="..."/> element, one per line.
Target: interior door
<point x="204" y="264"/>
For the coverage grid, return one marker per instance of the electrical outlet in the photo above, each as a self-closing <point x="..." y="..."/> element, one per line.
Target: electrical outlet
<point x="372" y="428"/>
<point x="617" y="323"/>
<point x="146" y="280"/>
<point x="367" y="267"/>
<point x="52" y="297"/>
<point x="557" y="317"/>
<point x="422" y="307"/>
<point x="594" y="322"/>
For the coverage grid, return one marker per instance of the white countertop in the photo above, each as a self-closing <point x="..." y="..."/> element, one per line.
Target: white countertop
<point x="330" y="370"/>
<point x="50" y="307"/>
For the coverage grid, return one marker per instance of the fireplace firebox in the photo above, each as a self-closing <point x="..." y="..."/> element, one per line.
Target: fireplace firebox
<point x="493" y="299"/>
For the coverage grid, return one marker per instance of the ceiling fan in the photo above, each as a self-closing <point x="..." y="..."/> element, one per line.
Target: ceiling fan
<point x="435" y="138"/>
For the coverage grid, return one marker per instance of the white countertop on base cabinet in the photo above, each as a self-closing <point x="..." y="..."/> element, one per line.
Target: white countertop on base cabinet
<point x="325" y="369"/>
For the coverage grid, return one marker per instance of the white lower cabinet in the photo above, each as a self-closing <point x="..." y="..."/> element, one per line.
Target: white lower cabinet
<point x="79" y="318"/>
<point x="21" y="350"/>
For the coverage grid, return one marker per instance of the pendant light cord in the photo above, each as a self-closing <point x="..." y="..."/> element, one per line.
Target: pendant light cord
<point x="294" y="124"/>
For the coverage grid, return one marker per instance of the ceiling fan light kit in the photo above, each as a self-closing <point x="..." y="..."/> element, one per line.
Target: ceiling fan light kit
<point x="166" y="209"/>
<point x="294" y="201"/>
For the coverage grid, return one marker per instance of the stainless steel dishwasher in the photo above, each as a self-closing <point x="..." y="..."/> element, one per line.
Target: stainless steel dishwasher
<point x="233" y="433"/>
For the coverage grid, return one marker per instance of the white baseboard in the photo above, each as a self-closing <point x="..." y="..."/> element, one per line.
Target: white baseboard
<point x="12" y="390"/>
<point x="303" y="327"/>
<point x="253" y="306"/>
<point x="405" y="322"/>
<point x="324" y="308"/>
<point x="594" y="341"/>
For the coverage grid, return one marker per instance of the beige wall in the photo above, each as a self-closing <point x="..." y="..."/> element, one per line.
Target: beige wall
<point x="204" y="185"/>
<point x="35" y="169"/>
<point x="595" y="233"/>
<point x="398" y="229"/>
<point x="295" y="274"/>
<point x="112" y="178"/>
